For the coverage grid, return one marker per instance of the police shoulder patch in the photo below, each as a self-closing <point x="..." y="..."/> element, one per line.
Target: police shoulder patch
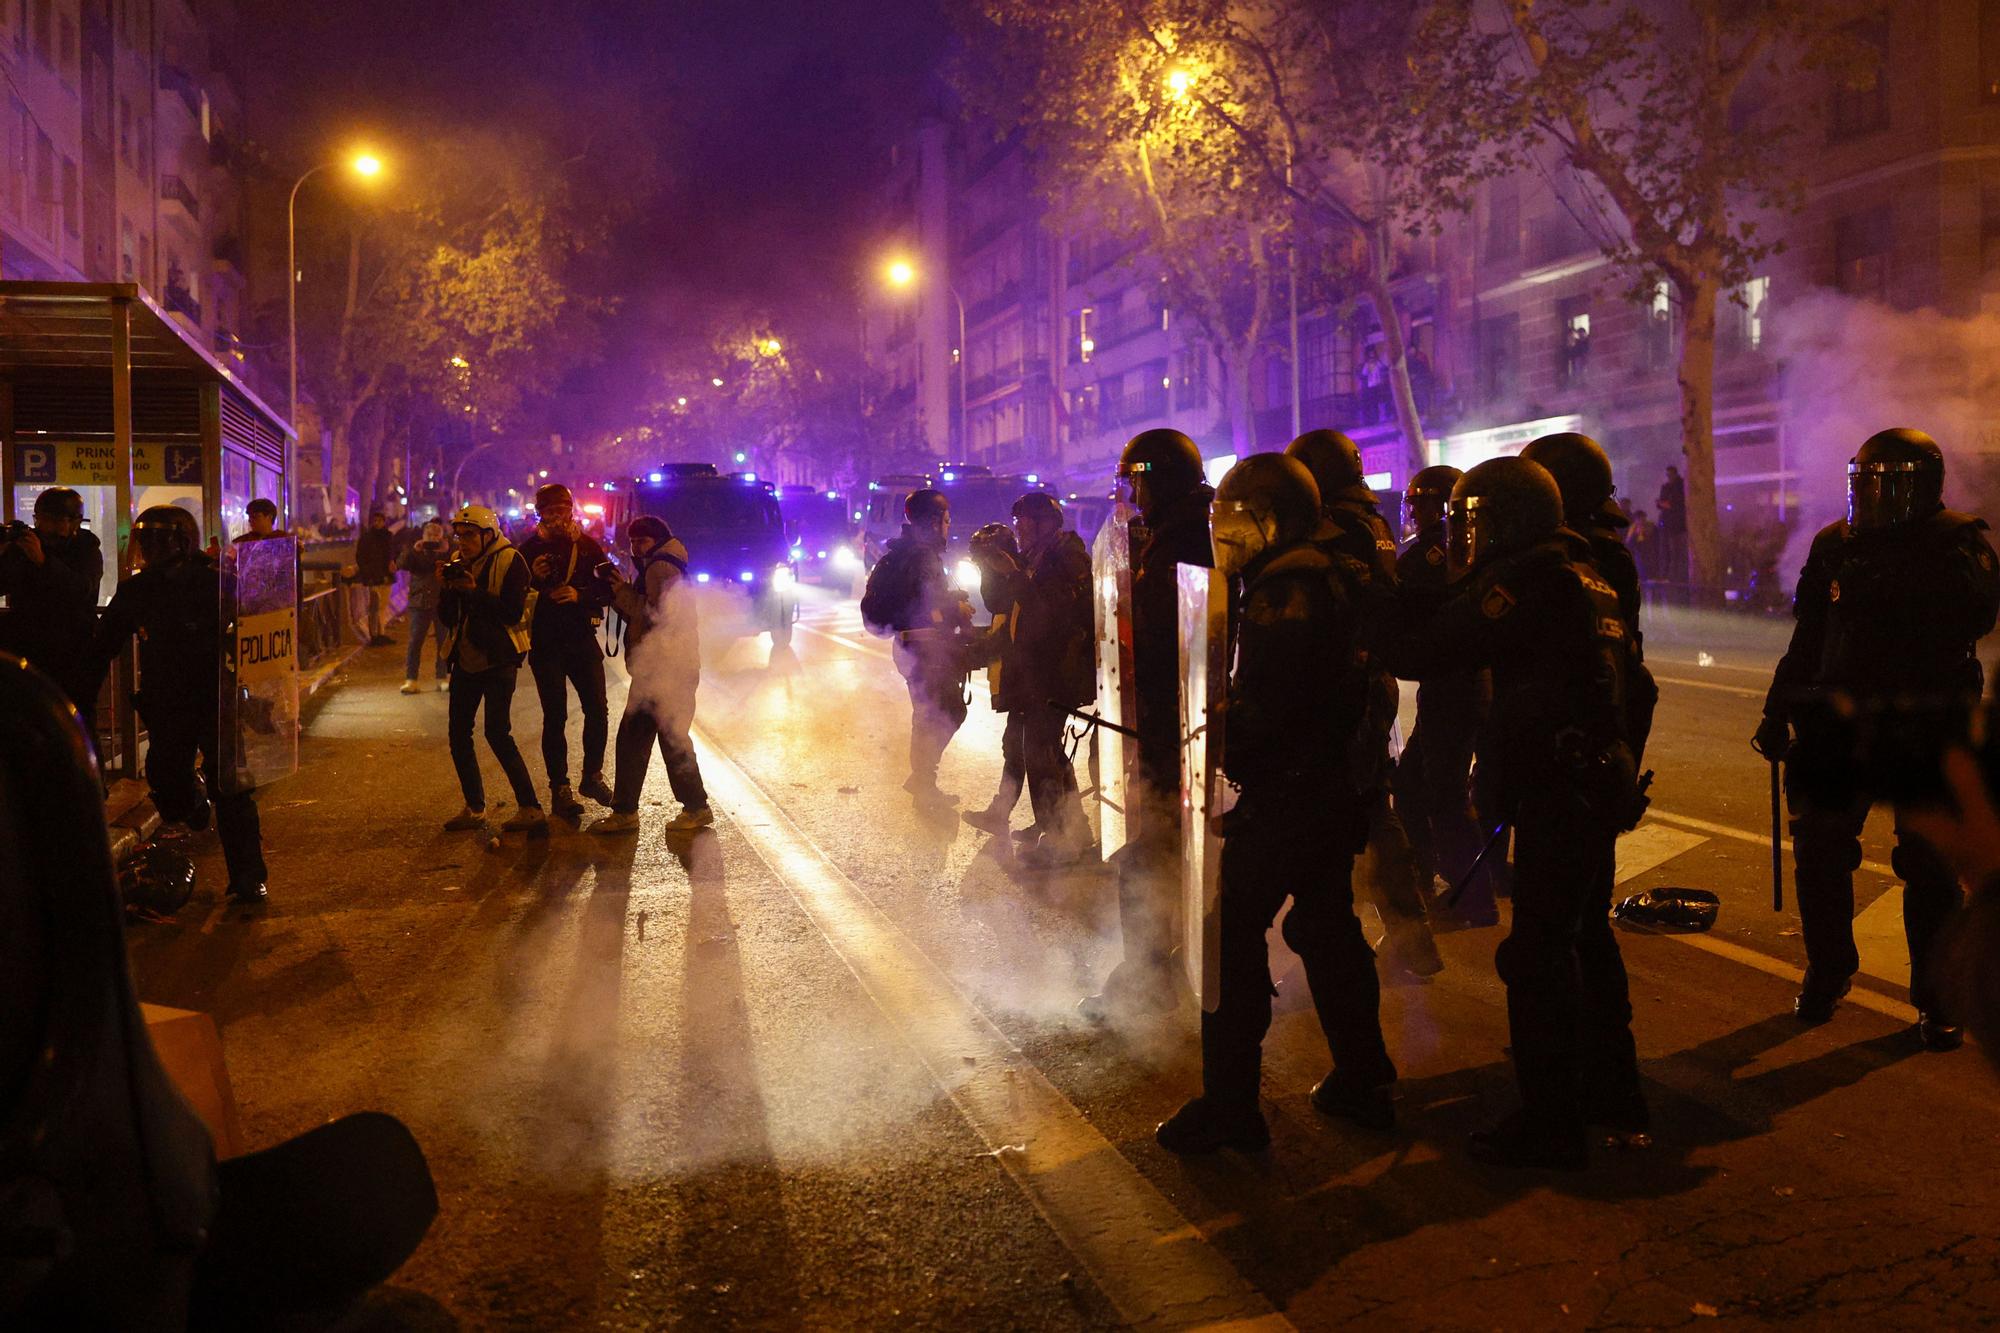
<point x="1833" y="591"/>
<point x="1496" y="603"/>
<point x="1434" y="556"/>
<point x="1595" y="584"/>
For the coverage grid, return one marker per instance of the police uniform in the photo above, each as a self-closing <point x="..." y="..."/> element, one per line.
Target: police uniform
<point x="908" y="596"/>
<point x="1293" y="704"/>
<point x="1549" y="627"/>
<point x="1433" y="774"/>
<point x="1355" y="533"/>
<point x="1879" y="614"/>
<point x="175" y="610"/>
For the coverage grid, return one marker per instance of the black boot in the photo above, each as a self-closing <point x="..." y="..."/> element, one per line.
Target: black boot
<point x="1367" y="1107"/>
<point x="1817" y="999"/>
<point x="1205" y="1126"/>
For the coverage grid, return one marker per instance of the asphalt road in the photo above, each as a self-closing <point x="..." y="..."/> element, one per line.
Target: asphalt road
<point x="819" y="1067"/>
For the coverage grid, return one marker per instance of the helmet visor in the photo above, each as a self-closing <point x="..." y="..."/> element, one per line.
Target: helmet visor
<point x="1881" y="495"/>
<point x="1465" y="540"/>
<point x="1239" y="534"/>
<point x="1422" y="507"/>
<point x="160" y="542"/>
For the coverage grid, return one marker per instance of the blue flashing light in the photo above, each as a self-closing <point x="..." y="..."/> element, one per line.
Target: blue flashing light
<point x="833" y="495"/>
<point x="822" y="555"/>
<point x="513" y="513"/>
<point x="951" y="476"/>
<point x="857" y="516"/>
<point x="656" y="477"/>
<point x="701" y="577"/>
<point x="748" y="476"/>
<point x="742" y="457"/>
<point x="747" y="576"/>
<point x="798" y="551"/>
<point x="610" y="485"/>
<point x="1034" y="480"/>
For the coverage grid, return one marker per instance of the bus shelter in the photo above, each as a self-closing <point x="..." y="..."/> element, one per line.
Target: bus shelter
<point x="102" y="392"/>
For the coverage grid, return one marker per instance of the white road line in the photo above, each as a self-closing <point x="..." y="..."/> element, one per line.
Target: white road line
<point x="1745" y="835"/>
<point x="1736" y="953"/>
<point x="1685" y="683"/>
<point x="861" y="645"/>
<point x="1154" y="1267"/>
<point x="1650" y="846"/>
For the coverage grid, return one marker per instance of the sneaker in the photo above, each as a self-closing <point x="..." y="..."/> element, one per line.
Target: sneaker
<point x="596" y="788"/>
<point x="251" y="894"/>
<point x="688" y="820"/>
<point x="527" y="819"/>
<point x="563" y="802"/>
<point x="618" y="821"/>
<point x="443" y="685"/>
<point x="409" y="687"/>
<point x="991" y="820"/>
<point x="1368" y="1107"/>
<point x="465" y="820"/>
<point x="1206" y="1126"/>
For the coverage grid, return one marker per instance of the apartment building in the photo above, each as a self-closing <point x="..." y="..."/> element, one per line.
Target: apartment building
<point x="120" y="126"/>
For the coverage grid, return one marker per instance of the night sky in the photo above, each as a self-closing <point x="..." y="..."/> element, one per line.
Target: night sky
<point x="771" y="121"/>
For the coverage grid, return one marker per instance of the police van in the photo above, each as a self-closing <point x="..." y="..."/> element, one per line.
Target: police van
<point x="733" y="531"/>
<point x="824" y="534"/>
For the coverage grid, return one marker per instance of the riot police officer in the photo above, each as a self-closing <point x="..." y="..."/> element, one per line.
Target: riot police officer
<point x="1532" y="608"/>
<point x="1434" y="772"/>
<point x="909" y="598"/>
<point x="1891" y="603"/>
<point x="173" y="605"/>
<point x="50" y="574"/>
<point x="1352" y="527"/>
<point x="1163" y="470"/>
<point x="1583" y="474"/>
<point x="1293" y="703"/>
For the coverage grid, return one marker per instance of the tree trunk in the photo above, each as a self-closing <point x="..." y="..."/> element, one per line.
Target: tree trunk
<point x="1697" y="383"/>
<point x="1236" y="375"/>
<point x="1381" y="254"/>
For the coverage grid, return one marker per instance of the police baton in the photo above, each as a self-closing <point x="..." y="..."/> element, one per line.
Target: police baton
<point x="1094" y="720"/>
<point x="1458" y="889"/>
<point x="1777" y="841"/>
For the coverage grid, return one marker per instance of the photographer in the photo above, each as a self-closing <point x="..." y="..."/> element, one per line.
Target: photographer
<point x="485" y="590"/>
<point x="1891" y="604"/>
<point x="570" y="599"/>
<point x="424" y="563"/>
<point x="50" y="574"/>
<point x="663" y="654"/>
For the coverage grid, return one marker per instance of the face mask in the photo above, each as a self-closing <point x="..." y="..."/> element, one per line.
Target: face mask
<point x="1238" y="534"/>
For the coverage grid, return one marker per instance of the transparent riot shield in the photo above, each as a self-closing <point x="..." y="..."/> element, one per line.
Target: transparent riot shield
<point x="1204" y="638"/>
<point x="1114" y="756"/>
<point x="259" y="658"/>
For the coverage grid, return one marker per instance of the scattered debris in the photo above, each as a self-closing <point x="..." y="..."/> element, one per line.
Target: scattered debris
<point x="1003" y="1149"/>
<point x="848" y="791"/>
<point x="1679" y="909"/>
<point x="1704" y="660"/>
<point x="1783" y="1191"/>
<point x="1703" y="1310"/>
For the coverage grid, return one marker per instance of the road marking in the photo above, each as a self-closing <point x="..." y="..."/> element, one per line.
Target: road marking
<point x="1879" y="938"/>
<point x="861" y="645"/>
<point x="1745" y="835"/>
<point x="1650" y="846"/>
<point x="1155" y="1267"/>
<point x="1719" y="688"/>
<point x="1736" y="953"/>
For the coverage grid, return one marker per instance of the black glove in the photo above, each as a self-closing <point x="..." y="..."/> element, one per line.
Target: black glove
<point x="1773" y="739"/>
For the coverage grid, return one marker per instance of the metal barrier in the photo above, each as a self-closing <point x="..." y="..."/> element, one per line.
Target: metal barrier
<point x="323" y="625"/>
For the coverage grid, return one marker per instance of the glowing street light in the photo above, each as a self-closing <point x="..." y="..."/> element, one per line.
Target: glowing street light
<point x="902" y="273"/>
<point x="681" y="401"/>
<point x="365" y="165"/>
<point x="770" y="347"/>
<point x="1179" y="82"/>
<point x="460" y="363"/>
<point x="716" y="381"/>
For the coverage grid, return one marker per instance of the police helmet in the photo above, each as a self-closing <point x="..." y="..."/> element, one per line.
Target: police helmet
<point x="1895" y="477"/>
<point x="555" y="493"/>
<point x="1333" y="459"/>
<point x="1502" y="506"/>
<point x="1264" y="502"/>
<point x="925" y="506"/>
<point x="1426" y="495"/>
<point x="1582" y="471"/>
<point x="166" y="533"/>
<point x="1160" y="465"/>
<point x="59" y="502"/>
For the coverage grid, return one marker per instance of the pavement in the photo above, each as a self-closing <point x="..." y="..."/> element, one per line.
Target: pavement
<point x="819" y="1066"/>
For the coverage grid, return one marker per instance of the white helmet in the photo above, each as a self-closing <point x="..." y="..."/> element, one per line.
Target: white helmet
<point x="476" y="516"/>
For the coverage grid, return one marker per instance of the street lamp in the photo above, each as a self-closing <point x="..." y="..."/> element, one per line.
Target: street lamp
<point x="365" y="165"/>
<point x="902" y="273"/>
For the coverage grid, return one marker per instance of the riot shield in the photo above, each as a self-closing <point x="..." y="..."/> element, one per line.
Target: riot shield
<point x="1114" y="756"/>
<point x="259" y="662"/>
<point x="1204" y="639"/>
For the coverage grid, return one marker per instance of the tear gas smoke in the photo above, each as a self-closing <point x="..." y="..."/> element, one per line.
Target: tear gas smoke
<point x="1852" y="368"/>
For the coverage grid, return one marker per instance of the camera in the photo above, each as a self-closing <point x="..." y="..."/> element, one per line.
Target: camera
<point x="15" y="527"/>
<point x="607" y="569"/>
<point x="1889" y="749"/>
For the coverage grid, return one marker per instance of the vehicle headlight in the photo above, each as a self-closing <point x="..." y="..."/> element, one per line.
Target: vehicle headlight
<point x="965" y="577"/>
<point x="781" y="577"/>
<point x="844" y="558"/>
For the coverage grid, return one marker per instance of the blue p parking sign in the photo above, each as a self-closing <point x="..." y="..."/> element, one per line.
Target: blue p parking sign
<point x="35" y="463"/>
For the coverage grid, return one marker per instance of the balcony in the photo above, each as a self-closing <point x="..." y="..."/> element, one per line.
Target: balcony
<point x="988" y="306"/>
<point x="174" y="190"/>
<point x="180" y="301"/>
<point x="181" y="84"/>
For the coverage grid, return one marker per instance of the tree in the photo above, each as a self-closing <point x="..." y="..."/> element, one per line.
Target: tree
<point x="1290" y="111"/>
<point x="1127" y="156"/>
<point x="464" y="287"/>
<point x="1655" y="103"/>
